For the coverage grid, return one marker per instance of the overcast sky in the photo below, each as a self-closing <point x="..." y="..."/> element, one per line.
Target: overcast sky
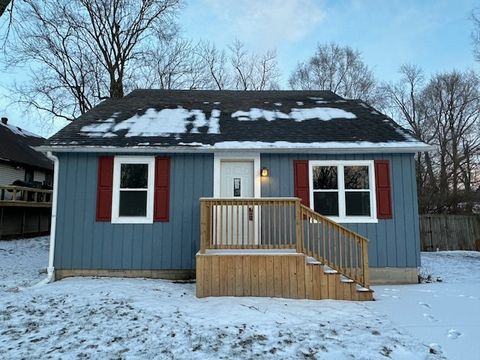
<point x="434" y="34"/>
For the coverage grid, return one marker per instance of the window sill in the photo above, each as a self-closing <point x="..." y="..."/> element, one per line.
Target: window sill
<point x="132" y="220"/>
<point x="353" y="220"/>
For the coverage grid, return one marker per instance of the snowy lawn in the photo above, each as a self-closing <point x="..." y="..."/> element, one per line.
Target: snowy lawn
<point x="137" y="318"/>
<point x="444" y="314"/>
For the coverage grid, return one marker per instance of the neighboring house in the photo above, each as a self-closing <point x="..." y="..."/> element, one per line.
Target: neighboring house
<point x="18" y="158"/>
<point x="25" y="183"/>
<point x="148" y="182"/>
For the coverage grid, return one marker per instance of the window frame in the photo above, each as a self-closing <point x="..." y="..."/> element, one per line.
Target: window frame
<point x="340" y="164"/>
<point x="117" y="164"/>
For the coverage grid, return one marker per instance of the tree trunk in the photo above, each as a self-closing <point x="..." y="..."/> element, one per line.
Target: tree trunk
<point x="116" y="88"/>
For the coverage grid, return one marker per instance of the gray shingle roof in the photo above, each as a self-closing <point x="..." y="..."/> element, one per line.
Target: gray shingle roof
<point x="16" y="146"/>
<point x="232" y="119"/>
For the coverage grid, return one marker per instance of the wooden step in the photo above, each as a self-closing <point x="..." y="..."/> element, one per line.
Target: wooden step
<point x="323" y="282"/>
<point x="292" y="275"/>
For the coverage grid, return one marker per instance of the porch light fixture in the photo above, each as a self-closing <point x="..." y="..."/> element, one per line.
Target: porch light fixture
<point x="264" y="172"/>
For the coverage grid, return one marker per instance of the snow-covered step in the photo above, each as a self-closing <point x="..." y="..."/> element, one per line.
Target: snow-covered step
<point x="329" y="270"/>
<point x="313" y="261"/>
<point x="345" y="279"/>
<point x="363" y="289"/>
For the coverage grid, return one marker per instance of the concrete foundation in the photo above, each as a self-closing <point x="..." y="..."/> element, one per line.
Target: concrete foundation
<point x="387" y="275"/>
<point x="151" y="274"/>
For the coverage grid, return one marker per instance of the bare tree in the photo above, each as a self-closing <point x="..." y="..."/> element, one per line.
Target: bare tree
<point x="173" y="65"/>
<point x="215" y="65"/>
<point x="405" y="100"/>
<point x="339" y="69"/>
<point x="476" y="32"/>
<point x="445" y="112"/>
<point x="452" y="102"/>
<point x="84" y="51"/>
<point x="180" y="64"/>
<point x="252" y="71"/>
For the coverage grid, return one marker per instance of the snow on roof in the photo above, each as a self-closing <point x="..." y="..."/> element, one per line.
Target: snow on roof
<point x="156" y="123"/>
<point x="179" y="120"/>
<point x="19" y="131"/>
<point x="298" y="145"/>
<point x="264" y="119"/>
<point x="316" y="113"/>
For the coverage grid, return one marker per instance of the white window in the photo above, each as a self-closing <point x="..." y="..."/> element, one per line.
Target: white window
<point x="344" y="191"/>
<point x="133" y="188"/>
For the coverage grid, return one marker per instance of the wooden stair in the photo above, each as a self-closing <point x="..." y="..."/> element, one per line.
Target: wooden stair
<point x="281" y="249"/>
<point x="283" y="275"/>
<point x="322" y="282"/>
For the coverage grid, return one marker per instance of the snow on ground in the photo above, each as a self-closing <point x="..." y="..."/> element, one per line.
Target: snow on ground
<point x="21" y="262"/>
<point x="444" y="313"/>
<point x="138" y="318"/>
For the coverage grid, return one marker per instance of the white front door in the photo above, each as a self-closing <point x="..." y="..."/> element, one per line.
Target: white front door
<point x="236" y="179"/>
<point x="239" y="223"/>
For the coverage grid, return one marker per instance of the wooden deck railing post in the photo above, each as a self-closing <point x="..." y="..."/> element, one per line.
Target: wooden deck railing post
<point x="203" y="226"/>
<point x="298" y="226"/>
<point x="366" y="275"/>
<point x="21" y="196"/>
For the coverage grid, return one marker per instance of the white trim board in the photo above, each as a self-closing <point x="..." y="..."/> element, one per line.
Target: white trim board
<point x="373" y="149"/>
<point x="342" y="218"/>
<point x="118" y="160"/>
<point x="237" y="156"/>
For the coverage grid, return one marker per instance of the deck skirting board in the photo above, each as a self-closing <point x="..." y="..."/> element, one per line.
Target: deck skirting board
<point x="274" y="275"/>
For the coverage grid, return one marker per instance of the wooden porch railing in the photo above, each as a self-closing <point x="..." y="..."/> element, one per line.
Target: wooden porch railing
<point x="12" y="195"/>
<point x="282" y="223"/>
<point x="335" y="246"/>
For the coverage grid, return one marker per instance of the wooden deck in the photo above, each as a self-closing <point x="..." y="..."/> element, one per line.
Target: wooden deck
<point x="272" y="275"/>
<point x="20" y="196"/>
<point x="24" y="211"/>
<point x="278" y="248"/>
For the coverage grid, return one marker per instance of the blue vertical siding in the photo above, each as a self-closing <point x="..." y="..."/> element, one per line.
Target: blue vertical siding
<point x="83" y="243"/>
<point x="392" y="243"/>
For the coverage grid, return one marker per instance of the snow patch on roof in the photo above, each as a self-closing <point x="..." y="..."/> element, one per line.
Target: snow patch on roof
<point x="364" y="105"/>
<point x="406" y="134"/>
<point x="256" y="114"/>
<point x="156" y="123"/>
<point x="319" y="113"/>
<point x="314" y="145"/>
<point x="19" y="131"/>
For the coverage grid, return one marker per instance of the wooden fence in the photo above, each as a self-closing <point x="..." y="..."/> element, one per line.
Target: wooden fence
<point x="450" y="232"/>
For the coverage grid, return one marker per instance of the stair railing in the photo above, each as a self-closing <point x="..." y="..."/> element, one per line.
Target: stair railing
<point x="335" y="246"/>
<point x="282" y="223"/>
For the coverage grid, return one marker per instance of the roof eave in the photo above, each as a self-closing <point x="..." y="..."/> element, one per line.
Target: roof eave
<point x="188" y="149"/>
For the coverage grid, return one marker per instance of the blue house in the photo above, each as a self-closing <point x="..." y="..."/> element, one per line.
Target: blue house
<point x="298" y="194"/>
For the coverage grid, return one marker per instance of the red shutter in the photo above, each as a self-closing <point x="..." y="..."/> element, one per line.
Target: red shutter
<point x="162" y="189"/>
<point x="382" y="184"/>
<point x="301" y="183"/>
<point x="104" y="188"/>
